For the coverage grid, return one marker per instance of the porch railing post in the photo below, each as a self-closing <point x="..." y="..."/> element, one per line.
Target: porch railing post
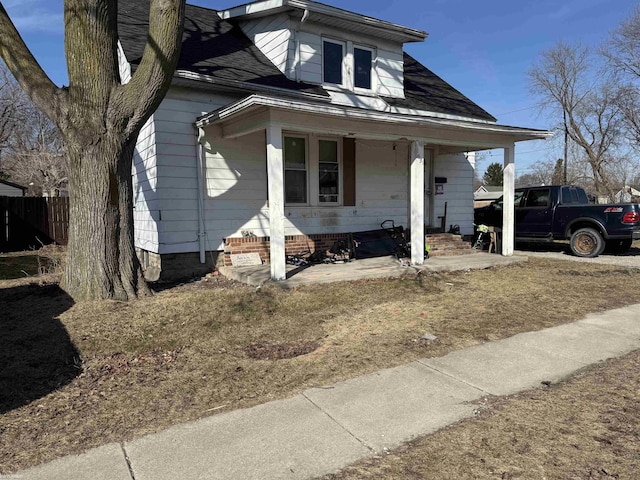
<point x="275" y="181"/>
<point x="417" y="202"/>
<point x="508" y="195"/>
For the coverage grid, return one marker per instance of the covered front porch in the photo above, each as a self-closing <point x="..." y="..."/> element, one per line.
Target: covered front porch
<point x="422" y="138"/>
<point x="366" y="269"/>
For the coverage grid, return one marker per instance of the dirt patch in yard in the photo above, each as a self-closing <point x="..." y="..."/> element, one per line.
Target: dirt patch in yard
<point x="183" y="353"/>
<point x="586" y="428"/>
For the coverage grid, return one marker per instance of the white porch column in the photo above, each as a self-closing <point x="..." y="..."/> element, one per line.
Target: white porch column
<point x="275" y="181"/>
<point x="508" y="194"/>
<point x="417" y="202"/>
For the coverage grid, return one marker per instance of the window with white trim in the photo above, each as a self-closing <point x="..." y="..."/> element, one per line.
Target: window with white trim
<point x="347" y="65"/>
<point x="328" y="172"/>
<point x="362" y="67"/>
<point x="333" y="58"/>
<point x="295" y="170"/>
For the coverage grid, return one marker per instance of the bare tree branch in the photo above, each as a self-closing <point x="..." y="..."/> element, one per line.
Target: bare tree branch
<point x="161" y="53"/>
<point x="27" y="71"/>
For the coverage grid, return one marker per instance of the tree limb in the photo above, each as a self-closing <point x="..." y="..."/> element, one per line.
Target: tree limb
<point x="155" y="72"/>
<point x="27" y="71"/>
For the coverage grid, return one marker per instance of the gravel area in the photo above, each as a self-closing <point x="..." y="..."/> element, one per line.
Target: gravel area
<point x="561" y="251"/>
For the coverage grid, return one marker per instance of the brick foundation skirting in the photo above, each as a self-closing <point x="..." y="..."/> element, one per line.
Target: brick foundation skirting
<point x="293" y="244"/>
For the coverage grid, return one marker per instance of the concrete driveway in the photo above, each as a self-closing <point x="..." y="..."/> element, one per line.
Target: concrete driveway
<point x="561" y="251"/>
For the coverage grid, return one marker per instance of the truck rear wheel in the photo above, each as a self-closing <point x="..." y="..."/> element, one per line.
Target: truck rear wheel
<point x="587" y="242"/>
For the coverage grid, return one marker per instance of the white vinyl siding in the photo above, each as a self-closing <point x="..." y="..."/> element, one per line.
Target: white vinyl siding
<point x="272" y="36"/>
<point x="389" y="71"/>
<point x="166" y="190"/>
<point x="310" y="57"/>
<point x="458" y="191"/>
<point x="145" y="198"/>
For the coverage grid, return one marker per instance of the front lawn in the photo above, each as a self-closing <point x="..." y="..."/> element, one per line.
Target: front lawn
<point x="79" y="376"/>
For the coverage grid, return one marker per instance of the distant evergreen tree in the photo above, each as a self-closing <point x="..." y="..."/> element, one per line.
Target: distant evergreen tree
<point x="493" y="177"/>
<point x="558" y="173"/>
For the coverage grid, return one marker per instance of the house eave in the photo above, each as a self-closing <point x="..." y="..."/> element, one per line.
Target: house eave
<point x="253" y="102"/>
<point x="237" y="86"/>
<point x="269" y="7"/>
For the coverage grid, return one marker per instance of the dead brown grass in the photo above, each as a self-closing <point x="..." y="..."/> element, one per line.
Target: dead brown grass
<point x="128" y="369"/>
<point x="587" y="428"/>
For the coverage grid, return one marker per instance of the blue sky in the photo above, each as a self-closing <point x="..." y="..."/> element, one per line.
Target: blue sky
<point x="483" y="49"/>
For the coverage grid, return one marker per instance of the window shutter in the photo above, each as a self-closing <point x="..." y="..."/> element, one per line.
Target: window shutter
<point x="349" y="171"/>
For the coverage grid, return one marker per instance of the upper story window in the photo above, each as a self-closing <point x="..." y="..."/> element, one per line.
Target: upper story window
<point x="347" y="65"/>
<point x="362" y="63"/>
<point x="333" y="55"/>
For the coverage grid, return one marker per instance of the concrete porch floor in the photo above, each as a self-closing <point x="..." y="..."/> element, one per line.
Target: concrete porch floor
<point x="382" y="267"/>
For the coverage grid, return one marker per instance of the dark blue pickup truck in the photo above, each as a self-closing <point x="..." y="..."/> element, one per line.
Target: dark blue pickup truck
<point x="561" y="212"/>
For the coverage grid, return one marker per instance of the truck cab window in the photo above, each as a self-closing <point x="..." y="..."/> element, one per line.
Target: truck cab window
<point x="537" y="198"/>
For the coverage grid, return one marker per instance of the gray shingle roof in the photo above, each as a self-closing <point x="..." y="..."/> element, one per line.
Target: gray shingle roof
<point x="424" y="90"/>
<point x="217" y="48"/>
<point x="210" y="46"/>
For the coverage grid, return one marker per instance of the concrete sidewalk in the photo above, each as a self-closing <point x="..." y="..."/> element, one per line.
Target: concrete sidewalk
<point x="325" y="429"/>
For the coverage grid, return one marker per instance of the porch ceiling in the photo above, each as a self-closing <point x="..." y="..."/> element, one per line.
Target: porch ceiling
<point x="256" y="112"/>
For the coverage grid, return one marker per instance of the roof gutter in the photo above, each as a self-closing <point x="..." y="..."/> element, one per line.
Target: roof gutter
<point x="253" y="101"/>
<point x="266" y="7"/>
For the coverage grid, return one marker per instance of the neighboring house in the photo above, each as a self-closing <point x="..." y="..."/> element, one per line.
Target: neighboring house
<point x="290" y="123"/>
<point x="485" y="194"/>
<point x="9" y="189"/>
<point x="627" y="194"/>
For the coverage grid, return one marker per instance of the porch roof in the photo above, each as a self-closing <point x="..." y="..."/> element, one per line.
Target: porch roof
<point x="256" y="112"/>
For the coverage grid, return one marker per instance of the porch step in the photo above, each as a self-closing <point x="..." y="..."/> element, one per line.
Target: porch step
<point x="445" y="244"/>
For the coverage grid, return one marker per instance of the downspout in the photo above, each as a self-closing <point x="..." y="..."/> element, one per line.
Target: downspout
<point x="199" y="166"/>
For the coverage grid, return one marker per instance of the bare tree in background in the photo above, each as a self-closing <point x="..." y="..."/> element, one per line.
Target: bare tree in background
<point x="34" y="156"/>
<point x="589" y="107"/>
<point x="622" y="51"/>
<point x="12" y="107"/>
<point x="31" y="151"/>
<point x="99" y="119"/>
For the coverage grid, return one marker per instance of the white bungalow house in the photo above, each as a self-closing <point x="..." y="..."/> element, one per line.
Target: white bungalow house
<point x="290" y="123"/>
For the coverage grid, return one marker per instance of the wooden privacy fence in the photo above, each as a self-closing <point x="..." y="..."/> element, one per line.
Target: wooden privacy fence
<point x="29" y="222"/>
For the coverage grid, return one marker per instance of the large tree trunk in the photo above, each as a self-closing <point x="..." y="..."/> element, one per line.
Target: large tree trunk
<point x="101" y="255"/>
<point x="99" y="120"/>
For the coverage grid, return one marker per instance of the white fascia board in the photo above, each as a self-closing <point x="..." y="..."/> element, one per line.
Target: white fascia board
<point x="275" y="6"/>
<point x="253" y="8"/>
<point x="254" y="101"/>
<point x="444" y="116"/>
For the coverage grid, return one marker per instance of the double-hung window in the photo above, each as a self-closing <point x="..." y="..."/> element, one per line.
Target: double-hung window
<point x="333" y="56"/>
<point x="312" y="171"/>
<point x="328" y="172"/>
<point x="347" y="65"/>
<point x="362" y="67"/>
<point x="295" y="170"/>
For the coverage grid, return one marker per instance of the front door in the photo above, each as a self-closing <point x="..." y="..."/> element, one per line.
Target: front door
<point x="428" y="188"/>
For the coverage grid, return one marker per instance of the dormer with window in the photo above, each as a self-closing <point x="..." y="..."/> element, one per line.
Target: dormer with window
<point x="345" y="52"/>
